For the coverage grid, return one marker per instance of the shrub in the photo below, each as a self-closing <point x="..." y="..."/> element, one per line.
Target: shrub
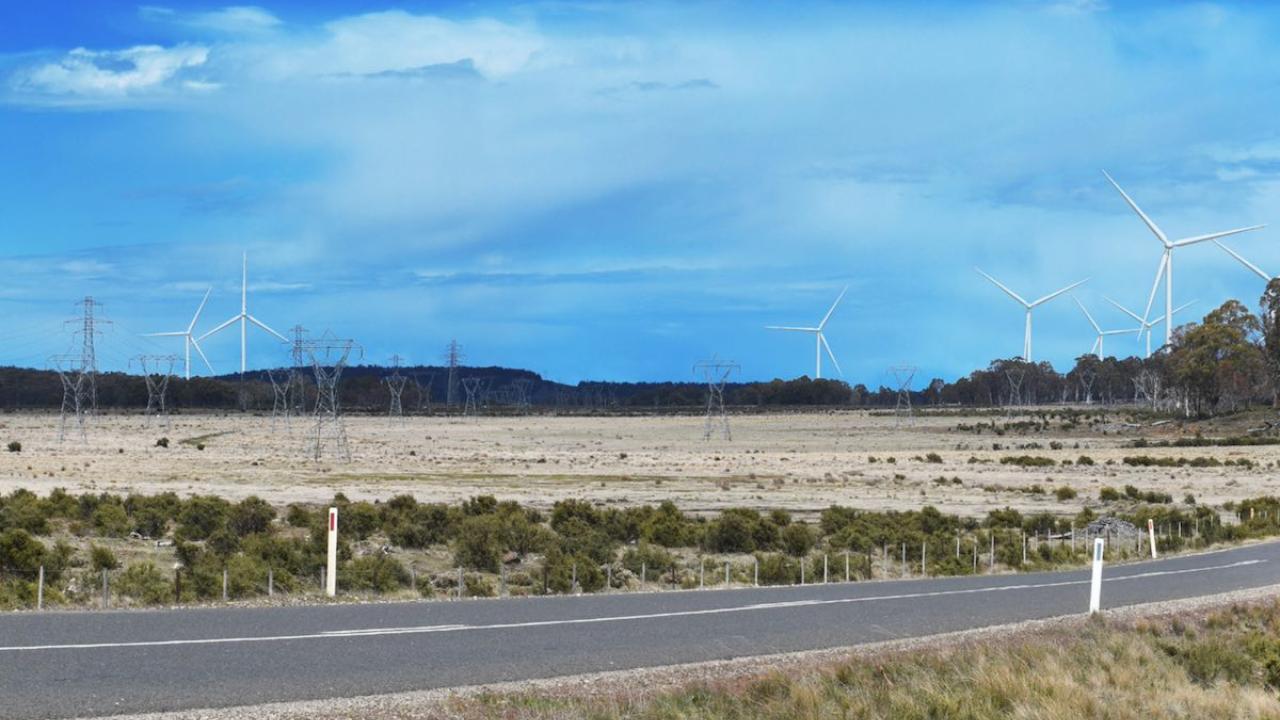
<point x="798" y="539"/>
<point x="1132" y="492"/>
<point x="654" y="560"/>
<point x="1027" y="461"/>
<point x="201" y="515"/>
<point x="144" y="583"/>
<point x="299" y="516"/>
<point x="478" y="586"/>
<point x="1108" y="494"/>
<point x="477" y="545"/>
<point x="1064" y="493"/>
<point x="378" y="573"/>
<point x="359" y="519"/>
<point x="1084" y="460"/>
<point x="162" y="442"/>
<point x="110" y="520"/>
<point x="101" y="558"/>
<point x="14" y="446"/>
<point x="251" y="515"/>
<point x="19" y="552"/>
<point x="933" y="457"/>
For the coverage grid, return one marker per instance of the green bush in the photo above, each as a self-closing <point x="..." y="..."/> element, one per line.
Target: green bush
<point x="14" y="446"/>
<point x="19" y="552"/>
<point x="477" y="546"/>
<point x="1065" y="493"/>
<point x="376" y="573"/>
<point x="201" y="516"/>
<point x="251" y="515"/>
<point x="162" y="442"/>
<point x="111" y="520"/>
<point x="101" y="558"/>
<point x="1108" y="494"/>
<point x="653" y="559"/>
<point x="798" y="539"/>
<point x="359" y="520"/>
<point x="144" y="583"/>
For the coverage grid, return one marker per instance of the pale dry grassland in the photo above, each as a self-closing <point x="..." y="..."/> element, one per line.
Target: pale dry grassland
<point x="802" y="462"/>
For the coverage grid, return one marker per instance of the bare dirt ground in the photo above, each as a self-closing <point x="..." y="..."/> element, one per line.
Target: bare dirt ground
<point x="802" y="462"/>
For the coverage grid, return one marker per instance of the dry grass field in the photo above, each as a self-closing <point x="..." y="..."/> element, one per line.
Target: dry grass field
<point x="802" y="462"/>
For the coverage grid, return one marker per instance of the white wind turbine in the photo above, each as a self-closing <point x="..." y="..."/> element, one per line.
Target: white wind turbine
<point x="1146" y="325"/>
<point x="1097" y="344"/>
<point x="1166" y="259"/>
<point x="1257" y="270"/>
<point x="1029" y="306"/>
<point x="188" y="341"/>
<point x="820" y="340"/>
<point x="244" y="318"/>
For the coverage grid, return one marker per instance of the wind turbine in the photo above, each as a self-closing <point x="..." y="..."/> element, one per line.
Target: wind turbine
<point x="1246" y="263"/>
<point x="244" y="318"/>
<point x="1026" y="339"/>
<point x="187" y="340"/>
<point x="1146" y="325"/>
<point x="820" y="340"/>
<point x="1097" y="344"/>
<point x="1166" y="259"/>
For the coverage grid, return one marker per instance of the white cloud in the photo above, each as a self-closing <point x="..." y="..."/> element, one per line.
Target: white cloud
<point x="398" y="41"/>
<point x="231" y="20"/>
<point x="107" y="74"/>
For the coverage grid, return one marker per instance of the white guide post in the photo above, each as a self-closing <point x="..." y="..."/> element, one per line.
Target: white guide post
<point x="331" y="576"/>
<point x="1095" y="587"/>
<point x="1151" y="533"/>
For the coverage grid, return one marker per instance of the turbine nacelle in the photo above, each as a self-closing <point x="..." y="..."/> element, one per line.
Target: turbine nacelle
<point x="820" y="340"/>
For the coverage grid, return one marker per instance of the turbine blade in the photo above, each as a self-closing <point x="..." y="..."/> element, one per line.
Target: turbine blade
<point x="259" y="323"/>
<point x="790" y="329"/>
<point x="1244" y="262"/>
<point x="1183" y="306"/>
<point x="830" y="354"/>
<point x="1214" y="236"/>
<point x="221" y="327"/>
<point x="1150" y="223"/>
<point x="1001" y="285"/>
<point x="1056" y="293"/>
<point x="827" y="317"/>
<point x="200" y="352"/>
<point x="176" y="333"/>
<point x="196" y="317"/>
<point x="1164" y="263"/>
<point x="1125" y="310"/>
<point x="1086" y="313"/>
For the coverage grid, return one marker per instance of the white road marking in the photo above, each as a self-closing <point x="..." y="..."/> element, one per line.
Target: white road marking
<point x="423" y="629"/>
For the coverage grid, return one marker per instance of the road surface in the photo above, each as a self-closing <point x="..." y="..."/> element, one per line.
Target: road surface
<point x="66" y="664"/>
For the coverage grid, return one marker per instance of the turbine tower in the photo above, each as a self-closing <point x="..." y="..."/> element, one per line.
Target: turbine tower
<point x="819" y="339"/>
<point x="1096" y="351"/>
<point x="188" y="341"/>
<point x="1029" y="306"/>
<point x="244" y="318"/>
<point x="1257" y="270"/>
<point x="1146" y="325"/>
<point x="1166" y="258"/>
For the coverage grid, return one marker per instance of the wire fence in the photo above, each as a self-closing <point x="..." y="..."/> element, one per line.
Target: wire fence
<point x="240" y="579"/>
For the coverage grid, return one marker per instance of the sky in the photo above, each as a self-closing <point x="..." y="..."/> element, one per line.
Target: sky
<point x="615" y="191"/>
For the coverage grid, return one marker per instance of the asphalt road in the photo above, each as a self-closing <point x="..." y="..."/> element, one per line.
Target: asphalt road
<point x="60" y="664"/>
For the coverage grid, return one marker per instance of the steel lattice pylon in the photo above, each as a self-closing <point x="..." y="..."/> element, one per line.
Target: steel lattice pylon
<point x="522" y="388"/>
<point x="902" y="377"/>
<point x="157" y="383"/>
<point x="329" y="357"/>
<point x="471" y="386"/>
<point x="716" y="373"/>
<point x="75" y="397"/>
<point x="424" y="390"/>
<point x="395" y="383"/>
<point x="281" y="406"/>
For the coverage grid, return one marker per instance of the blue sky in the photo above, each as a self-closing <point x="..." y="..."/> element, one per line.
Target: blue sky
<point x="613" y="190"/>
